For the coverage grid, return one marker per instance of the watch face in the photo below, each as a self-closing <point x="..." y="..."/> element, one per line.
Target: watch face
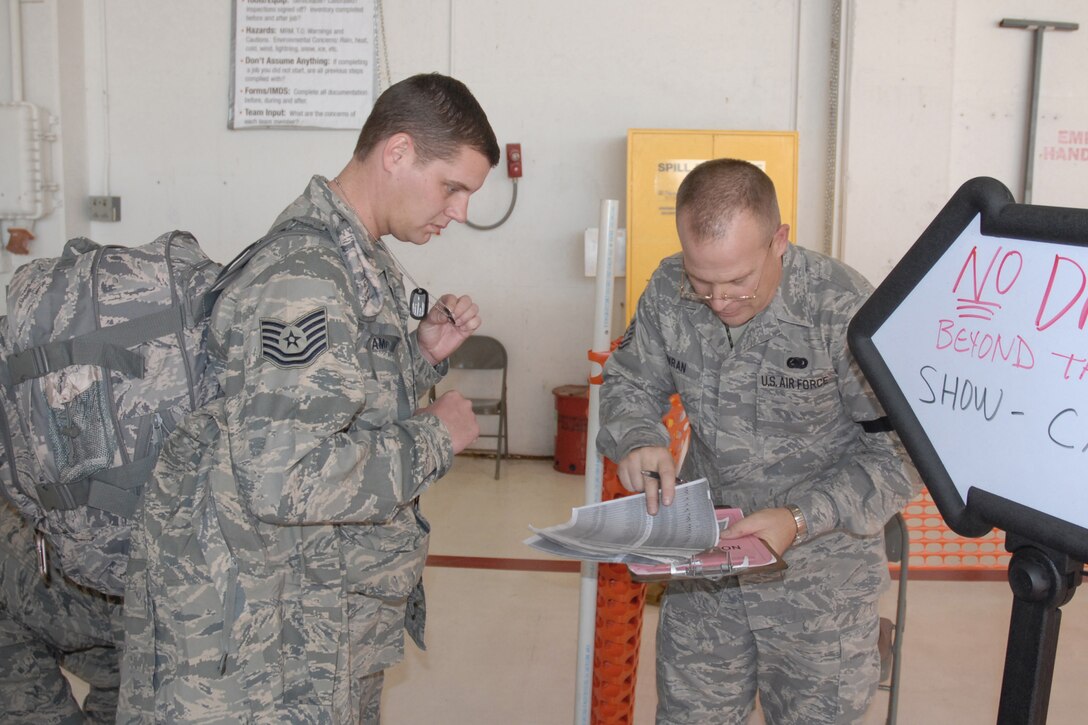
<point x="417" y="303"/>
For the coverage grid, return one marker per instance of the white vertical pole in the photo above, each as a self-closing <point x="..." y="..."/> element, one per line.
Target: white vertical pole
<point x="15" y="17"/>
<point x="602" y="335"/>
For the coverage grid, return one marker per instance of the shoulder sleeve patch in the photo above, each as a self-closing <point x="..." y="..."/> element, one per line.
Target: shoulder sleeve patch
<point x="295" y="344"/>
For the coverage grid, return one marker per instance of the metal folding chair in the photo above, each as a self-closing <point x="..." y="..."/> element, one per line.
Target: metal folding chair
<point x="897" y="546"/>
<point x="483" y="353"/>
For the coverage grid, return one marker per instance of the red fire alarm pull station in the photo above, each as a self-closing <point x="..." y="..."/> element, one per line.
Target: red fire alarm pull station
<point x="513" y="160"/>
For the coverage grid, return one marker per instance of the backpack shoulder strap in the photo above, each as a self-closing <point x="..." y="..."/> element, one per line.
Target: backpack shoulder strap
<point x="234" y="267"/>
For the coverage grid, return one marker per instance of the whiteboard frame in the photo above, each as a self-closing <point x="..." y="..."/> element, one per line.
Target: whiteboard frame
<point x="1000" y="217"/>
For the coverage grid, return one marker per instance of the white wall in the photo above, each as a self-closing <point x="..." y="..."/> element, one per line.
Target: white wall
<point x="566" y="79"/>
<point x="938" y="93"/>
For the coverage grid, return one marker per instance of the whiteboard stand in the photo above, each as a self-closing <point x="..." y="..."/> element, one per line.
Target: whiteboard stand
<point x="1042" y="581"/>
<point x="975" y="345"/>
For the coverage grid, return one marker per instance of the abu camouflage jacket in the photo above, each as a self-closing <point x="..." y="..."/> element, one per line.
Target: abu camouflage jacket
<point x="775" y="420"/>
<point x="278" y="556"/>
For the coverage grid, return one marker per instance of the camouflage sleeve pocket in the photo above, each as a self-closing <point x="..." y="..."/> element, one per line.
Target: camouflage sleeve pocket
<point x="385" y="565"/>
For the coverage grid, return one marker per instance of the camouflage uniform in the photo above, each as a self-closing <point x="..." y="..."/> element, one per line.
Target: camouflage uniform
<point x="43" y="627"/>
<point x="278" y="558"/>
<point x="773" y="422"/>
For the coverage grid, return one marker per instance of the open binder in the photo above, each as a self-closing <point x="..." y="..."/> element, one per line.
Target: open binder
<point x="743" y="555"/>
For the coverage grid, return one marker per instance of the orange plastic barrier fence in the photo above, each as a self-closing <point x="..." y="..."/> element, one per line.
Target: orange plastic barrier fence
<point x="619" y="609"/>
<point x="936" y="548"/>
<point x="618" y="633"/>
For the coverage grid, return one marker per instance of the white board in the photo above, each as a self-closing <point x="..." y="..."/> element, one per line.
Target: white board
<point x="991" y="352"/>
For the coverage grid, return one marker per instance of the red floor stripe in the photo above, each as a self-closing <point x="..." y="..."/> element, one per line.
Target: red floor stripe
<point x="553" y="565"/>
<point x="490" y="562"/>
<point x="955" y="575"/>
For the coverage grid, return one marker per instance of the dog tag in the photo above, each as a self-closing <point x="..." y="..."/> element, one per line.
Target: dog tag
<point x="418" y="303"/>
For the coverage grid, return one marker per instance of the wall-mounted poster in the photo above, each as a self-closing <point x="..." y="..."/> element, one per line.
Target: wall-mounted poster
<point x="302" y="64"/>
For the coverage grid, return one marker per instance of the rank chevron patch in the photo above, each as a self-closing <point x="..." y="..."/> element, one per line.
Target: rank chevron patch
<point x="295" y="344"/>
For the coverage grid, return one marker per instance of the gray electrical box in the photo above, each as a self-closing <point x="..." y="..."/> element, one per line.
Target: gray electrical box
<point x="106" y="208"/>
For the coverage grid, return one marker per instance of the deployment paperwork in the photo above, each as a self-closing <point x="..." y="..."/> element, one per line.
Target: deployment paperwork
<point x="682" y="541"/>
<point x="621" y="531"/>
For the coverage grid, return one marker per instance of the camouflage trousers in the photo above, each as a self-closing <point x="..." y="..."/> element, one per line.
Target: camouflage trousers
<point x="43" y="628"/>
<point x="710" y="664"/>
<point x="370" y="696"/>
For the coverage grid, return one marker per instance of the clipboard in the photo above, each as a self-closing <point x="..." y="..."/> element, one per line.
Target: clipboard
<point x="744" y="555"/>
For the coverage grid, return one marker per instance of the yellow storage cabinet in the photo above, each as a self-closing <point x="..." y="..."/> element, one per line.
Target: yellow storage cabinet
<point x="659" y="159"/>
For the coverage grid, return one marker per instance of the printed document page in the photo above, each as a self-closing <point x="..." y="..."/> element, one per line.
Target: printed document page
<point x="610" y="529"/>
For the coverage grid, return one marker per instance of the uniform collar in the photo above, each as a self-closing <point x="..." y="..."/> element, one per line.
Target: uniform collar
<point x="321" y="204"/>
<point x="792" y="304"/>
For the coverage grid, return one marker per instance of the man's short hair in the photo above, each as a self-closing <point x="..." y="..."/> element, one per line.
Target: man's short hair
<point x="438" y="112"/>
<point x="714" y="192"/>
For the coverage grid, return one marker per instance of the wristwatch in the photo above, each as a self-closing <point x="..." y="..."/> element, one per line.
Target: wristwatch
<point x="799" y="519"/>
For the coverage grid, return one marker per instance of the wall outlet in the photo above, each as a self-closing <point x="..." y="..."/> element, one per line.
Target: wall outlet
<point x="106" y="208"/>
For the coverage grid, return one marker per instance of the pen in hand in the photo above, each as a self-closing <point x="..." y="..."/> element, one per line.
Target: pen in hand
<point x="449" y="313"/>
<point x="665" y="496"/>
<point x="657" y="477"/>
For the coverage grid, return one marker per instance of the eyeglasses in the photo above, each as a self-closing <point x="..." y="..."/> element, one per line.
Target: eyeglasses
<point x="687" y="290"/>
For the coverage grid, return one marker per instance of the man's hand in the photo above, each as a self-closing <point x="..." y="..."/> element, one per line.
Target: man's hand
<point x="455" y="412"/>
<point x="776" y="527"/>
<point x="448" y="324"/>
<point x="656" y="459"/>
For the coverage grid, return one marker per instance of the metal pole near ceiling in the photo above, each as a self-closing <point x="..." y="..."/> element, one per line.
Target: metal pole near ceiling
<point x="832" y="241"/>
<point x="1038" y="27"/>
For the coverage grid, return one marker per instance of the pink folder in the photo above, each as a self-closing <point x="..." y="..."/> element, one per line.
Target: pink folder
<point x="744" y="555"/>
